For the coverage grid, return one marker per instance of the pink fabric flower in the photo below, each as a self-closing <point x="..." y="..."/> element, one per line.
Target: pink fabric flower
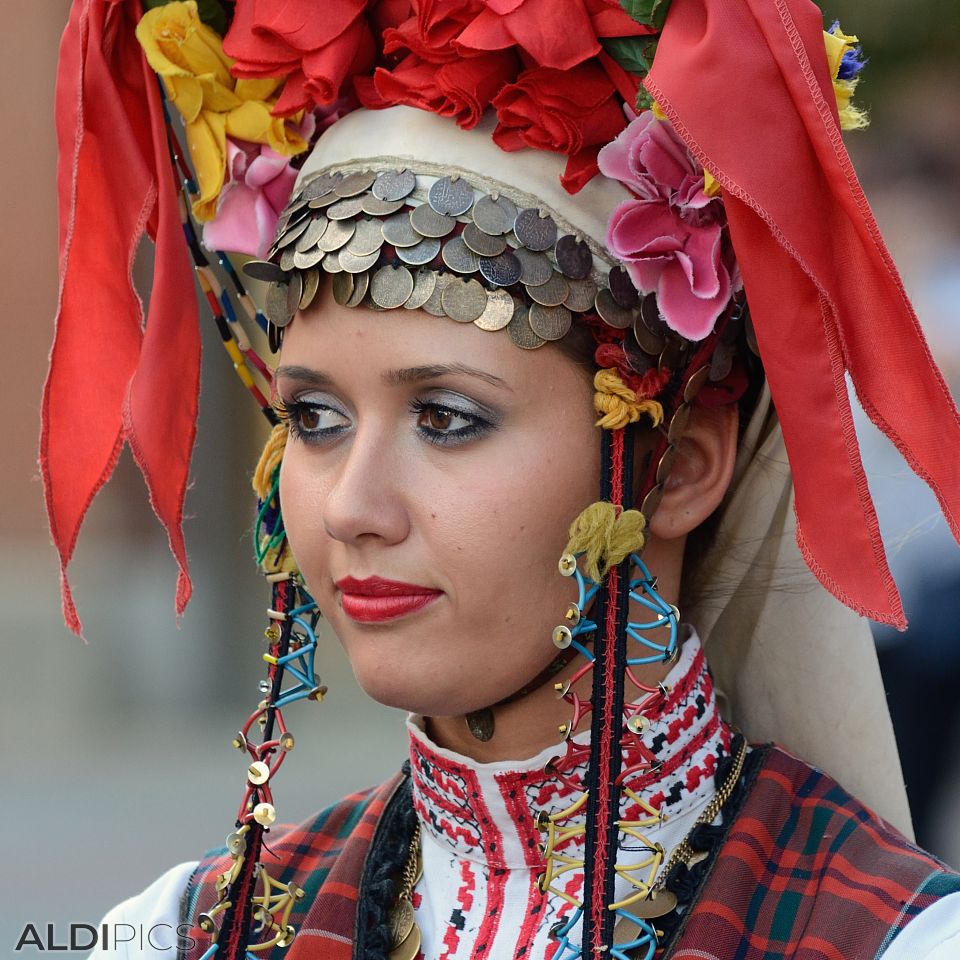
<point x="259" y="186"/>
<point x="672" y="236"/>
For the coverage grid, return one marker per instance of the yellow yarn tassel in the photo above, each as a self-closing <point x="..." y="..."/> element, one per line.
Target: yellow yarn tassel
<point x="837" y="43"/>
<point x="618" y="405"/>
<point x="277" y="559"/>
<point x="606" y="535"/>
<point x="269" y="461"/>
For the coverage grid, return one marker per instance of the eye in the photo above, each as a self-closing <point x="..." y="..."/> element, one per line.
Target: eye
<point x="311" y="420"/>
<point x="442" y="424"/>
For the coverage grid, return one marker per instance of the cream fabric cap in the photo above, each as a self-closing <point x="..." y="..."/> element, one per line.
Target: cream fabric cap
<point x="795" y="665"/>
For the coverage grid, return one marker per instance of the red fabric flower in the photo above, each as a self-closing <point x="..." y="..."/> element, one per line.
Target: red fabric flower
<point x="461" y="89"/>
<point x="548" y="39"/>
<point x="319" y="54"/>
<point x="575" y="112"/>
<point x="430" y="32"/>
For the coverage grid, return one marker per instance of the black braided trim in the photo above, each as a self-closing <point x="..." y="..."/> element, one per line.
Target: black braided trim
<point x="379" y="883"/>
<point x="686" y="883"/>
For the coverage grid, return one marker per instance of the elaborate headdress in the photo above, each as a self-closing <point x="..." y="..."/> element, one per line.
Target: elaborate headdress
<point x="693" y="212"/>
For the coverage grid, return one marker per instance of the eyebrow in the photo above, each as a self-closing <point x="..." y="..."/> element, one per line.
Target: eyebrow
<point x="319" y="378"/>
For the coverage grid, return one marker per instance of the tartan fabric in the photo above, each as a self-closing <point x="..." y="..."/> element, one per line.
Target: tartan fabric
<point x="325" y="855"/>
<point x="806" y="872"/>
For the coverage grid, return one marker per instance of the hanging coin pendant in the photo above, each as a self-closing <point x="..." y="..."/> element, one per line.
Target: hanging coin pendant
<point x="410" y="947"/>
<point x="658" y="904"/>
<point x="402" y="922"/>
<point x="481" y="724"/>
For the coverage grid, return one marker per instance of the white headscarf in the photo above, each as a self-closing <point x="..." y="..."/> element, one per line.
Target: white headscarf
<point x="795" y="665"/>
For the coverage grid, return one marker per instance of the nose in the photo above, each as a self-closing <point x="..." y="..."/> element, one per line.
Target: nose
<point x="365" y="501"/>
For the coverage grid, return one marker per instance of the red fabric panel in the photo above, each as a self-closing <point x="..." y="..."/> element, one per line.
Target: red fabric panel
<point x="745" y="83"/>
<point x="111" y="378"/>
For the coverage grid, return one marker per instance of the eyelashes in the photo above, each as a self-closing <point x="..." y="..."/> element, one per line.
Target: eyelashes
<point x="438" y="423"/>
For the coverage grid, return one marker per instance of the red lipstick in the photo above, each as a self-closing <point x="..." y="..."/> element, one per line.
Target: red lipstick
<point x="375" y="600"/>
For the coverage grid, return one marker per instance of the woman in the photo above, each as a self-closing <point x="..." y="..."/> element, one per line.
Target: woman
<point x="582" y="796"/>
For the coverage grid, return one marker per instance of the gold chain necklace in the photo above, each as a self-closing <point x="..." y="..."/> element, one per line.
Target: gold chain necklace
<point x="405" y="934"/>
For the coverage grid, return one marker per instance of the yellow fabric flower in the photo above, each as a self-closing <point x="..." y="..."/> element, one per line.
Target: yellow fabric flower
<point x="837" y="44"/>
<point x="189" y="58"/>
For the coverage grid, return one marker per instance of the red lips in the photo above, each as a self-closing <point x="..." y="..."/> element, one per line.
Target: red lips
<point x="375" y="600"/>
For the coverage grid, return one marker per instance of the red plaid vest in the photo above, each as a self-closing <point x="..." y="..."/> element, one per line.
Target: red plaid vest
<point x="804" y="872"/>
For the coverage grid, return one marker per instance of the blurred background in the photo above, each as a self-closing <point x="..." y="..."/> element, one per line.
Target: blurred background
<point x="121" y="748"/>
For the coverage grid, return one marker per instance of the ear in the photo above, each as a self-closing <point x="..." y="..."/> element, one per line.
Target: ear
<point x="701" y="473"/>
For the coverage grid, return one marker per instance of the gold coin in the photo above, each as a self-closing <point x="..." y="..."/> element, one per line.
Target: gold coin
<point x="428" y="223"/>
<point x="344" y="209"/>
<point x="658" y="904"/>
<point x="521" y="332"/>
<point x="391" y="287"/>
<point x="312" y="234"/>
<point x="336" y="235"/>
<point x="304" y="260"/>
<point x="361" y="284"/>
<point x="376" y="207"/>
<point x="552" y="293"/>
<point x="366" y="239"/>
<point x="498" y="312"/>
<point x="286" y="259"/>
<point x="611" y="312"/>
<point x="459" y="257"/>
<point x="410" y="947"/>
<point x="342" y="287"/>
<point x="483" y="244"/>
<point x="695" y="383"/>
<point x="354" y="264"/>
<point x="464" y="300"/>
<point x="398" y="232"/>
<point x="355" y="183"/>
<point x="311" y="283"/>
<point x="679" y="422"/>
<point x="536" y="267"/>
<point x="649" y="342"/>
<point x="275" y="304"/>
<point x="551" y="323"/>
<point x="331" y="263"/>
<point x="581" y="295"/>
<point x="434" y="303"/>
<point x="424" y="284"/>
<point x="402" y="921"/>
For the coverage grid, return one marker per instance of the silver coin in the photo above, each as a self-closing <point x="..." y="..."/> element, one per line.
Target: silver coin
<point x="394" y="185"/>
<point x="343" y="288"/>
<point x="324" y="200"/>
<point x="535" y="267"/>
<point x="533" y="231"/>
<point x="520" y="330"/>
<point x="502" y="271"/>
<point x="424" y="284"/>
<point x="646" y="339"/>
<point x="353" y="263"/>
<point x="434" y="303"/>
<point x="337" y="234"/>
<point x="311" y="284"/>
<point x="494" y="214"/>
<point x="573" y="257"/>
<point x="319" y="186"/>
<point x="345" y="209"/>
<point x="376" y="207"/>
<point x="355" y="184"/>
<point x="552" y="293"/>
<point x="484" y="244"/>
<point x="428" y="223"/>
<point x="420" y="254"/>
<point x="459" y="257"/>
<point x="611" y="312"/>
<point x="366" y="239"/>
<point x="581" y="295"/>
<point x="263" y="270"/>
<point x="286" y="259"/>
<point x="292" y="233"/>
<point x="498" y="312"/>
<point x="551" y="323"/>
<point x="361" y="284"/>
<point x="390" y="287"/>
<point x="276" y="304"/>
<point x="451" y="196"/>
<point x="311" y="236"/>
<point x="331" y="263"/>
<point x="307" y="259"/>
<point x="398" y="232"/>
<point x="622" y="288"/>
<point x="463" y="300"/>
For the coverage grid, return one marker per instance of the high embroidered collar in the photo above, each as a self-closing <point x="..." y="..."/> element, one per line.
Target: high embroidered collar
<point x="486" y="812"/>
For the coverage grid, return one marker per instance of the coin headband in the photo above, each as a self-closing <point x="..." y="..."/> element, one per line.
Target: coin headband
<point x="436" y="240"/>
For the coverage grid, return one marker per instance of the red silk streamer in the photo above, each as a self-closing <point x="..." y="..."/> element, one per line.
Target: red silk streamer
<point x="746" y="84"/>
<point x="113" y="378"/>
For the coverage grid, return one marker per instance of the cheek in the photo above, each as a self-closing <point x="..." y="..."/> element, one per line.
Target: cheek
<point x="302" y="495"/>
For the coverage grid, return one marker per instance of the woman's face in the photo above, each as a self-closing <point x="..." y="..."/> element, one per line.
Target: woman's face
<point x="443" y="457"/>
